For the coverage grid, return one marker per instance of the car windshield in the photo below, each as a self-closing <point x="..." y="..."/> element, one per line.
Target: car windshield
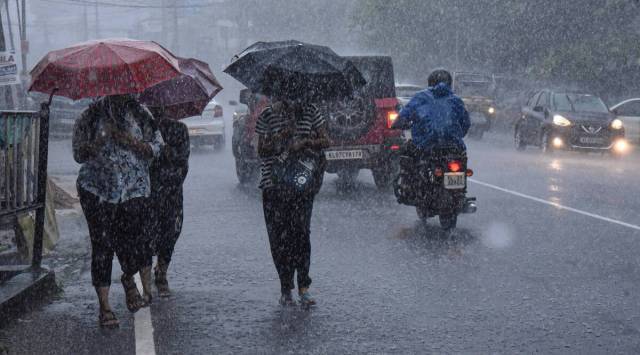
<point x="407" y="91"/>
<point x="578" y="103"/>
<point x="474" y="88"/>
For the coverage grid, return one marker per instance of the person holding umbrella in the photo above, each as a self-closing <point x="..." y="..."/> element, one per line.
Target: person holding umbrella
<point x="288" y="127"/>
<point x="185" y="96"/>
<point x="114" y="140"/>
<point x="168" y="173"/>
<point x="290" y="131"/>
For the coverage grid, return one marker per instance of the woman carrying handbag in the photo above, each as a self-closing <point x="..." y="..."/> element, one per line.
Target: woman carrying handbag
<point x="292" y="136"/>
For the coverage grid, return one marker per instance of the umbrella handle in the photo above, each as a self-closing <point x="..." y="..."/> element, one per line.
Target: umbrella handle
<point x="53" y="92"/>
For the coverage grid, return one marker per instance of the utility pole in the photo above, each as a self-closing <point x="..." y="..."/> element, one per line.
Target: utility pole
<point x="24" y="43"/>
<point x="85" y="22"/>
<point x="8" y="92"/>
<point x="457" y="44"/>
<point x="163" y="25"/>
<point x="176" y="34"/>
<point x="97" y="18"/>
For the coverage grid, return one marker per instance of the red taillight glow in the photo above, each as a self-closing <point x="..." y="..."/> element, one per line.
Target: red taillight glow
<point x="392" y="116"/>
<point x="454" y="166"/>
<point x="469" y="172"/>
<point x="395" y="147"/>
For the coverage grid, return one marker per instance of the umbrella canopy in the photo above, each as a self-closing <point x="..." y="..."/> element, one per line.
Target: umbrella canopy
<point x="104" y="67"/>
<point x="295" y="70"/>
<point x="185" y="95"/>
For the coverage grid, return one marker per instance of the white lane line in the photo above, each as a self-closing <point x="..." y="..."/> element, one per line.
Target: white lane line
<point x="144" y="329"/>
<point x="557" y="205"/>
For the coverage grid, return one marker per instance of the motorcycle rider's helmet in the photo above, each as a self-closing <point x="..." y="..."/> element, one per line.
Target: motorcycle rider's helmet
<point x="439" y="76"/>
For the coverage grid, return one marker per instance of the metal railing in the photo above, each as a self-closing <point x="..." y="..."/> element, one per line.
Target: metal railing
<point x="24" y="139"/>
<point x="19" y="133"/>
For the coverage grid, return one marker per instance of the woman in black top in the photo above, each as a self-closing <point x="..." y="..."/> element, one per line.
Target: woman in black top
<point x="289" y="127"/>
<point x="168" y="173"/>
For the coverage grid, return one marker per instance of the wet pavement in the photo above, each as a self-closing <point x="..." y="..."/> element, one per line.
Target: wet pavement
<point x="518" y="276"/>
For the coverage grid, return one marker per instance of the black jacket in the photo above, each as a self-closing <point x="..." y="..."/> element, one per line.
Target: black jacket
<point x="169" y="171"/>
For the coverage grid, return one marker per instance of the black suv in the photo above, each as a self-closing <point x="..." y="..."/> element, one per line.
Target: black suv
<point x="565" y="120"/>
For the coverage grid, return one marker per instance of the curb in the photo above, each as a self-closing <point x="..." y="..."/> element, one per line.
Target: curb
<point x="23" y="289"/>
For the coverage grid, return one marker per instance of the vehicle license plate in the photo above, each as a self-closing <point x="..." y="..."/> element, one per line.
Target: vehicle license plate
<point x="477" y="118"/>
<point x="591" y="140"/>
<point x="344" y="154"/>
<point x="454" y="181"/>
<point x="195" y="131"/>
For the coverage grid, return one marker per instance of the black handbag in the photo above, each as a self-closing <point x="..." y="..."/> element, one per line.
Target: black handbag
<point x="296" y="174"/>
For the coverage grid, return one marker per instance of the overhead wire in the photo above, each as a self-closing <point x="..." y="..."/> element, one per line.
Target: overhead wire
<point x="129" y="5"/>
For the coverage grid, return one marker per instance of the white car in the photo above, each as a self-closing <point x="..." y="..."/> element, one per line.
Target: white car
<point x="207" y="129"/>
<point x="405" y="92"/>
<point x="629" y="112"/>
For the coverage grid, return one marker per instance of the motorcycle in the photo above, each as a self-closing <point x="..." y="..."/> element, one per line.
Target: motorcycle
<point x="435" y="182"/>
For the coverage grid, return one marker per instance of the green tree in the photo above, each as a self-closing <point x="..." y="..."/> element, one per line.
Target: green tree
<point x="582" y="41"/>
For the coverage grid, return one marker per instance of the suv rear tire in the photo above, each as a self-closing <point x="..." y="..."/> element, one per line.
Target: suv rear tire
<point x="448" y="221"/>
<point x="347" y="177"/>
<point x="423" y="213"/>
<point x="246" y="172"/>
<point x="385" y="176"/>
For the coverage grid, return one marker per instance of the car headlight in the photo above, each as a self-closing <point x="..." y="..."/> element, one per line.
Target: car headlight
<point x="617" y="124"/>
<point x="491" y="110"/>
<point x="559" y="120"/>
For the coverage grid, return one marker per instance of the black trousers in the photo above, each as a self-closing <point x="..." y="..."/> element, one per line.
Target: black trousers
<point x="116" y="228"/>
<point x="288" y="221"/>
<point x="168" y="214"/>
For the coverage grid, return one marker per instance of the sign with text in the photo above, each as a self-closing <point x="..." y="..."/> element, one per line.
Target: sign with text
<point x="8" y="69"/>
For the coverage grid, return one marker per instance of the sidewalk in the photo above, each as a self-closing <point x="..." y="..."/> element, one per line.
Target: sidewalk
<point x="23" y="288"/>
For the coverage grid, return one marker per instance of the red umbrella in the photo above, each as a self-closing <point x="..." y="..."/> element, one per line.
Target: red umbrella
<point x="185" y="95"/>
<point x="104" y="67"/>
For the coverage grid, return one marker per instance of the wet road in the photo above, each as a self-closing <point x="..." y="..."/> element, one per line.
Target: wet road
<point x="518" y="276"/>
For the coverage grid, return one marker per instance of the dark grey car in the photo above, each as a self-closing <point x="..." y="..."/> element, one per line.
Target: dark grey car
<point x="565" y="120"/>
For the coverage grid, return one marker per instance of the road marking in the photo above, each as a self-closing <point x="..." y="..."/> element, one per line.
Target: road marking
<point x="557" y="205"/>
<point x="144" y="329"/>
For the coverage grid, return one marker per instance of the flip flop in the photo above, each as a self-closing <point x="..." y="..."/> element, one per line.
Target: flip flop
<point x="108" y="320"/>
<point x="133" y="299"/>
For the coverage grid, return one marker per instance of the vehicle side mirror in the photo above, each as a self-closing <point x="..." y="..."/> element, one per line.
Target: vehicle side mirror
<point x="245" y="96"/>
<point x="538" y="109"/>
<point x="233" y="103"/>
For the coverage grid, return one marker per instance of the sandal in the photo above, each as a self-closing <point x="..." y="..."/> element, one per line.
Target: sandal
<point x="133" y="298"/>
<point x="161" y="283"/>
<point x="107" y="319"/>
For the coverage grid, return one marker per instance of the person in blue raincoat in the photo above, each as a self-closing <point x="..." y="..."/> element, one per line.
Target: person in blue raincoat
<point x="436" y="116"/>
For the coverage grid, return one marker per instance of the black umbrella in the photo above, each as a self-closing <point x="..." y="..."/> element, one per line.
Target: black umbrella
<point x="295" y="70"/>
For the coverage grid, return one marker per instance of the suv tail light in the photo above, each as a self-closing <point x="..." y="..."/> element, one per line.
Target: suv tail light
<point x="454" y="166"/>
<point x="217" y="111"/>
<point x="392" y="116"/>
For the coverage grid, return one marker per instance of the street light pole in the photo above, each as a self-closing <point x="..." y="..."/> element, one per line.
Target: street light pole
<point x="97" y="18"/>
<point x="176" y="35"/>
<point x="85" y="22"/>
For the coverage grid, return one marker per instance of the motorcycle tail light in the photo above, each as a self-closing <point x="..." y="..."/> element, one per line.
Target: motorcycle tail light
<point x="454" y="166"/>
<point x="469" y="172"/>
<point x="395" y="147"/>
<point x="392" y="116"/>
<point x="438" y="172"/>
